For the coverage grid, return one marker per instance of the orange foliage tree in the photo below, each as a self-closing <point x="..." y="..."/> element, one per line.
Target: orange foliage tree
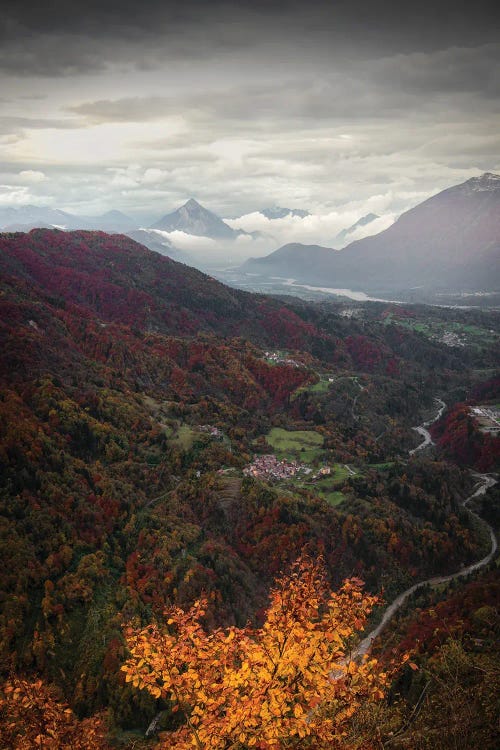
<point x="288" y="684"/>
<point x="32" y="718"/>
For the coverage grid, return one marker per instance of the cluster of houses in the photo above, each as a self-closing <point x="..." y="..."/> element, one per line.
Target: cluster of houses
<point x="270" y="466"/>
<point x="281" y="359"/>
<point x="449" y="338"/>
<point x="351" y="312"/>
<point x="212" y="431"/>
<point x="488" y="418"/>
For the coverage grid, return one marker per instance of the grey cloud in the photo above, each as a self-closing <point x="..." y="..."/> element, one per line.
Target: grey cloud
<point x="118" y="17"/>
<point x="260" y="96"/>
<point x="382" y="89"/>
<point x="50" y="55"/>
<point x="14" y="129"/>
<point x="129" y="109"/>
<point x="64" y="38"/>
<point x="173" y="142"/>
<point x="456" y="69"/>
<point x="33" y="123"/>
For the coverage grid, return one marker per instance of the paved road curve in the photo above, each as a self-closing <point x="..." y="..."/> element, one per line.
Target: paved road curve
<point x="424" y="432"/>
<point x="486" y="481"/>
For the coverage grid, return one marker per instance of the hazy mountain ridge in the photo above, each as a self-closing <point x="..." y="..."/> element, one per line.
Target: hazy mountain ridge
<point x="343" y="236"/>
<point x="34" y="216"/>
<point x="25" y="218"/>
<point x="292" y="260"/>
<point x="451" y="240"/>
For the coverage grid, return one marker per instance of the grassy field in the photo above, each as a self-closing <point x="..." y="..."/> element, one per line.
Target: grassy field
<point x="322" y="386"/>
<point x="323" y="489"/>
<point x="327" y="488"/>
<point x="339" y="475"/>
<point x="470" y="335"/>
<point x="184" y="437"/>
<point x="305" y="445"/>
<point x="334" y="498"/>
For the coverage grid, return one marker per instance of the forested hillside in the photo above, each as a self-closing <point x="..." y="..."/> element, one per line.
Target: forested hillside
<point x="136" y="395"/>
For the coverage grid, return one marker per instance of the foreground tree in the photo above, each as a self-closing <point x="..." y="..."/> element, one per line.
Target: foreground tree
<point x="289" y="684"/>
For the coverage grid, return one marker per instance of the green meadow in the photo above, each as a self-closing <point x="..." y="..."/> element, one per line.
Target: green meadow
<point x="305" y="445"/>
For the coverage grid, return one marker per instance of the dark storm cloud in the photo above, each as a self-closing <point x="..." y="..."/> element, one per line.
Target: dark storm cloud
<point x="381" y="89"/>
<point x="61" y="38"/>
<point x="50" y="55"/>
<point x="309" y="104"/>
<point x="471" y="69"/>
<point x="107" y="17"/>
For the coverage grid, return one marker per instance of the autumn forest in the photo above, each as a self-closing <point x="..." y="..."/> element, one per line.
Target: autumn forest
<point x="208" y="496"/>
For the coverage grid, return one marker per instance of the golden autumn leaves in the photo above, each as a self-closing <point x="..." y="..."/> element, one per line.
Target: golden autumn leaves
<point x="289" y="683"/>
<point x="32" y="717"/>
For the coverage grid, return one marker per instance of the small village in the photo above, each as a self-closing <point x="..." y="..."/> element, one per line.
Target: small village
<point x="488" y="418"/>
<point x="352" y="312"/>
<point x="280" y="358"/>
<point x="449" y="338"/>
<point x="212" y="431"/>
<point x="269" y="466"/>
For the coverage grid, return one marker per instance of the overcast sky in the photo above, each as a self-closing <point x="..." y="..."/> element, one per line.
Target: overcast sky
<point x="333" y="106"/>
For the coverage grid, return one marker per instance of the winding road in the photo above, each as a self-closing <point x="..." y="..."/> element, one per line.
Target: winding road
<point x="424" y="432"/>
<point x="486" y="482"/>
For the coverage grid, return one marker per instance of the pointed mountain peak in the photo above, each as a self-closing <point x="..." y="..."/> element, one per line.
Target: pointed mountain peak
<point x="485" y="182"/>
<point x="192" y="204"/>
<point x="193" y="218"/>
<point x="487" y="177"/>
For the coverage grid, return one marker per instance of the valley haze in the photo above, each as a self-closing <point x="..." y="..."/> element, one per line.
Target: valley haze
<point x="449" y="244"/>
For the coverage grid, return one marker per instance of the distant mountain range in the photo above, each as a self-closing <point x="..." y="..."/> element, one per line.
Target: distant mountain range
<point x="192" y="219"/>
<point x="25" y="218"/>
<point x="451" y="240"/>
<point x="111" y="221"/>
